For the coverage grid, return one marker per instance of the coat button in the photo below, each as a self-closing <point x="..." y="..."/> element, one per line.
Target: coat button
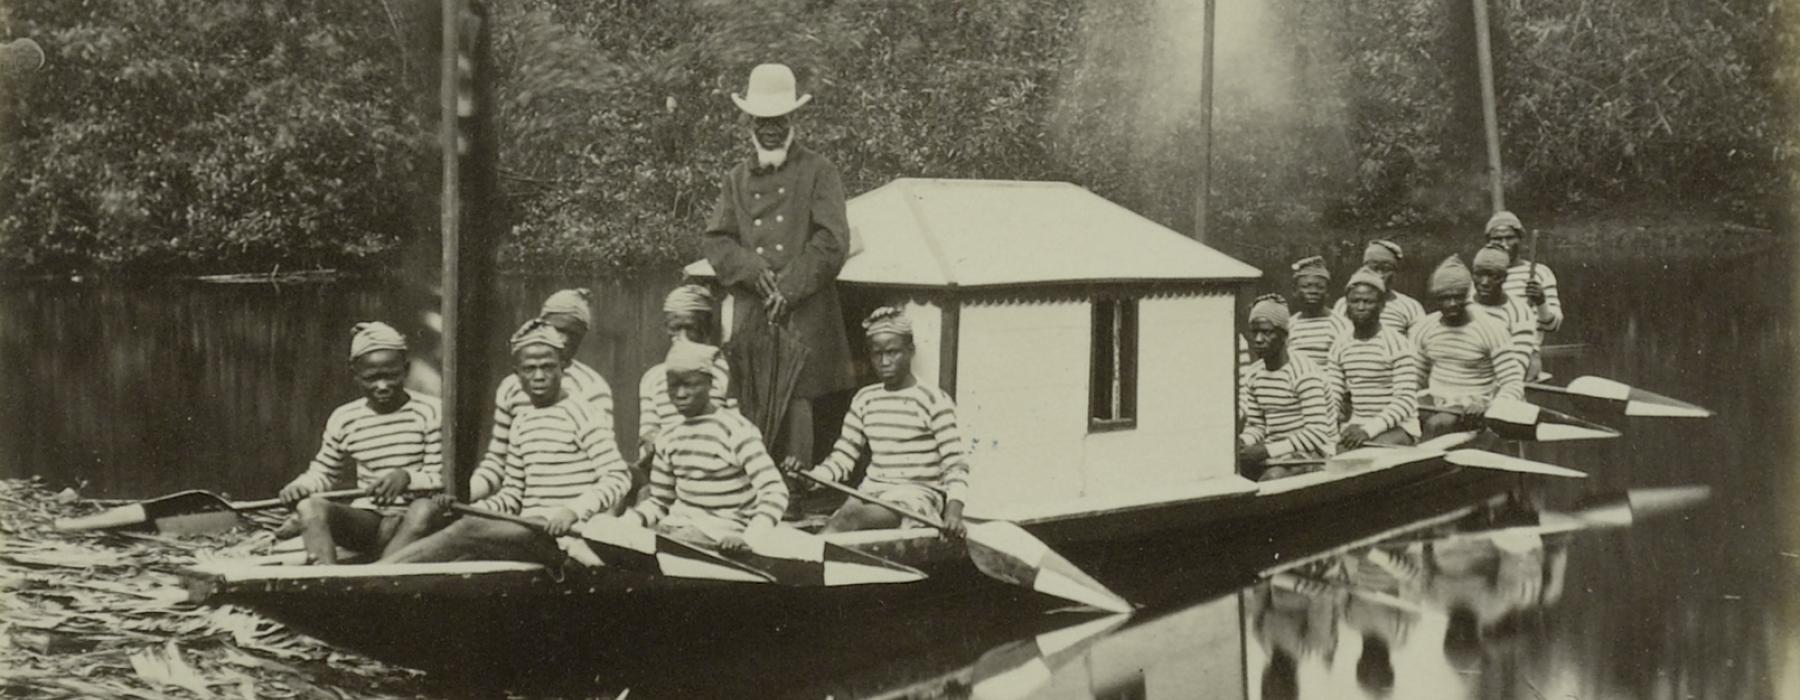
<point x="759" y="250"/>
<point x="757" y="222"/>
<point x="781" y="190"/>
<point x="779" y="218"/>
<point x="778" y="248"/>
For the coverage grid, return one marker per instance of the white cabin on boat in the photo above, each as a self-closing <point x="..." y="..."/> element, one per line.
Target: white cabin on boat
<point x="1092" y="352"/>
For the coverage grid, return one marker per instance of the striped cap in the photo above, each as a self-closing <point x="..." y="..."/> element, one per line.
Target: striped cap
<point x="368" y="337"/>
<point x="1451" y="276"/>
<point x="1503" y="219"/>
<point x="1382" y="250"/>
<point x="573" y="302"/>
<point x="1366" y="276"/>
<point x="688" y="298"/>
<point x="1313" y="266"/>
<point x="1272" y="308"/>
<point x="537" y="331"/>
<point x="689" y="356"/>
<point x="887" y="319"/>
<point x="1492" y="257"/>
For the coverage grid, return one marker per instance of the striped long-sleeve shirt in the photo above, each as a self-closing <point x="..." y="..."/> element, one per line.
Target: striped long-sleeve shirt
<point x="911" y="436"/>
<point x="1473" y="359"/>
<point x="1548" y="319"/>
<point x="1400" y="313"/>
<point x="656" y="413"/>
<point x="1288" y="410"/>
<point x="1374" y="382"/>
<point x="560" y="457"/>
<point x="1516" y="317"/>
<point x="1311" y="336"/>
<point x="357" y="438"/>
<point x="716" y="464"/>
<point x="579" y="381"/>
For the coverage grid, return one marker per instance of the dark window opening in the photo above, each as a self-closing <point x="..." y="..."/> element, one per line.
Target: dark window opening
<point x="1112" y="378"/>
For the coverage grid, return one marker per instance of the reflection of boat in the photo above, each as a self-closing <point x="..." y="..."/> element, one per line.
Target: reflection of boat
<point x="1117" y="437"/>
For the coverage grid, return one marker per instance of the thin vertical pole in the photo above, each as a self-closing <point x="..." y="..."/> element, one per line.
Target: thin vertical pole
<point x="1489" y="116"/>
<point x="448" y="223"/>
<point x="1203" y="198"/>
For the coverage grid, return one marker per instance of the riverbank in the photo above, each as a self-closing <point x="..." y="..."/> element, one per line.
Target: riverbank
<point x="103" y="616"/>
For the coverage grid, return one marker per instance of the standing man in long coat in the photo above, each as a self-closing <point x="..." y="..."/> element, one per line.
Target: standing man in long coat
<point x="777" y="238"/>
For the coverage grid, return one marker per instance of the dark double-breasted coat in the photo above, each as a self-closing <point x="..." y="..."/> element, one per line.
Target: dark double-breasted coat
<point x="790" y="220"/>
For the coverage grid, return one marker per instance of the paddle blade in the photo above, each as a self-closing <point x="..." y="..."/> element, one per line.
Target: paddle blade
<point x="629" y="546"/>
<point x="1481" y="459"/>
<point x="805" y="559"/>
<point x="187" y="512"/>
<point x="1519" y="420"/>
<point x="1638" y="402"/>
<point x="1007" y="552"/>
<point x="1656" y="501"/>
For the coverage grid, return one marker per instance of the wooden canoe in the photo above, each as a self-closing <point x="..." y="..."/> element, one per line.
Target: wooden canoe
<point x="505" y="614"/>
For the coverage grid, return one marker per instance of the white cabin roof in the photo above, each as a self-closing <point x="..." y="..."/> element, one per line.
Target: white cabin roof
<point x="982" y="233"/>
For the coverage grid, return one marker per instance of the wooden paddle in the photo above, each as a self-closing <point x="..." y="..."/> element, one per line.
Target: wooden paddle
<point x="1527" y="422"/>
<point x="1632" y="400"/>
<point x="184" y="513"/>
<point x="631" y="547"/>
<point x="1006" y="552"/>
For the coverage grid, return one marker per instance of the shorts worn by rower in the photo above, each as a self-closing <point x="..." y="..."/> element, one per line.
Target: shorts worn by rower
<point x="1465" y="360"/>
<point x="1370" y="372"/>
<point x="389" y="437"/>
<point x="1283" y="402"/>
<point x="1312" y="326"/>
<point x="561" y="469"/>
<point x="712" y="482"/>
<point x="917" y="459"/>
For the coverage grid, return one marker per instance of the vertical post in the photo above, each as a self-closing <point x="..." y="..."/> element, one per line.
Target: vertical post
<point x="1489" y="116"/>
<point x="1203" y="198"/>
<point x="449" y="221"/>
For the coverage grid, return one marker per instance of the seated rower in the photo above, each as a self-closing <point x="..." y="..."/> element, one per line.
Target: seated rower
<point x="561" y="469"/>
<point x="1370" y="372"/>
<point x="1399" y="312"/>
<point x="568" y="312"/>
<point x="1512" y="314"/>
<point x="687" y="316"/>
<point x="1284" y="403"/>
<point x="1312" y="327"/>
<point x="1527" y="280"/>
<point x="917" y="459"/>
<point x="712" y="482"/>
<point x="389" y="437"/>
<point x="1465" y="360"/>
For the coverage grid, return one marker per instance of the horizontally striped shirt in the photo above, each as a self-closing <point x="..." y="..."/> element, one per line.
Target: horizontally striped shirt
<point x="1311" y="336"/>
<point x="1552" y="317"/>
<point x="911" y="436"/>
<point x="1374" y="382"/>
<point x="1400" y="313"/>
<point x="1288" y="410"/>
<point x="579" y="381"/>
<point x="715" y="464"/>
<point x="1516" y="317"/>
<point x="560" y="457"/>
<point x="656" y="412"/>
<point x="1473" y="359"/>
<point x="357" y="438"/>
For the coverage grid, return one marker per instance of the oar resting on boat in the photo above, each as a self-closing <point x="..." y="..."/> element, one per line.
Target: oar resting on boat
<point x="783" y="555"/>
<point x="185" y="513"/>
<point x="1439" y="449"/>
<point x="1006" y="552"/>
<point x="1632" y="400"/>
<point x="1523" y="421"/>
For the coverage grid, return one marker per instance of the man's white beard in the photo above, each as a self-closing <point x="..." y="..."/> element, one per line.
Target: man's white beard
<point x="772" y="157"/>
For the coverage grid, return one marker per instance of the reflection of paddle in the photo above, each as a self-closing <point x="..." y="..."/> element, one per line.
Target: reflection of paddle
<point x="184" y="513"/>
<point x="1020" y="668"/>
<point x="1612" y="511"/>
<point x="634" y="548"/>
<point x="1006" y="552"/>
<point x="1634" y="401"/>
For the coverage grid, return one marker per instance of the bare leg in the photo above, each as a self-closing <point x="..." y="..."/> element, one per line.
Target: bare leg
<point x="1439" y="423"/>
<point x="1393" y="436"/>
<point x="861" y="516"/>
<point x="325" y="522"/>
<point x="422" y="518"/>
<point x="472" y="538"/>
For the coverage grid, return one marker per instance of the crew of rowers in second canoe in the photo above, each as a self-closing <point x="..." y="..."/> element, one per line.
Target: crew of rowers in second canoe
<point x="707" y="478"/>
<point x="1315" y="380"/>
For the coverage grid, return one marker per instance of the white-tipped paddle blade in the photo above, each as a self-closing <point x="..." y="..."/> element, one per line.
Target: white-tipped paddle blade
<point x="1638" y="402"/>
<point x="1007" y="552"/>
<point x="1481" y="459"/>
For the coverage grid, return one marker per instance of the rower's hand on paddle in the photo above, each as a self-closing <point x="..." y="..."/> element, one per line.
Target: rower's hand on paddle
<point x="1354" y="437"/>
<point x="1534" y="293"/>
<point x="292" y="494"/>
<point x="559" y="522"/>
<point x="1475" y="408"/>
<point x="733" y="544"/>
<point x="391" y="487"/>
<point x="791" y="468"/>
<point x="1254" y="454"/>
<point x="954" y="527"/>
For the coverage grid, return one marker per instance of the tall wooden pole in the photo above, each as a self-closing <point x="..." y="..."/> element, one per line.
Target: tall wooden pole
<point x="1203" y="198"/>
<point x="1489" y="112"/>
<point x="449" y="225"/>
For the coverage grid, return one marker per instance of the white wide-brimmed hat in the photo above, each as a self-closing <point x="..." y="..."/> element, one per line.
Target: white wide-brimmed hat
<point x="771" y="92"/>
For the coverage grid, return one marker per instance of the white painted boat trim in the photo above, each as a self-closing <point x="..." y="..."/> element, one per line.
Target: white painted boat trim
<point x="1161" y="496"/>
<point x="242" y="571"/>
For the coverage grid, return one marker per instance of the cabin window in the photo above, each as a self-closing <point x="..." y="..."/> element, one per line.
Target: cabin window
<point x="1112" y="403"/>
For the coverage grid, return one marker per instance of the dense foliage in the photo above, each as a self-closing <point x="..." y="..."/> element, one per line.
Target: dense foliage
<point x="189" y="134"/>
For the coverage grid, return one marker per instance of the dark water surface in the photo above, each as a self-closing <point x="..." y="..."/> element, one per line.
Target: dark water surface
<point x="143" y="389"/>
